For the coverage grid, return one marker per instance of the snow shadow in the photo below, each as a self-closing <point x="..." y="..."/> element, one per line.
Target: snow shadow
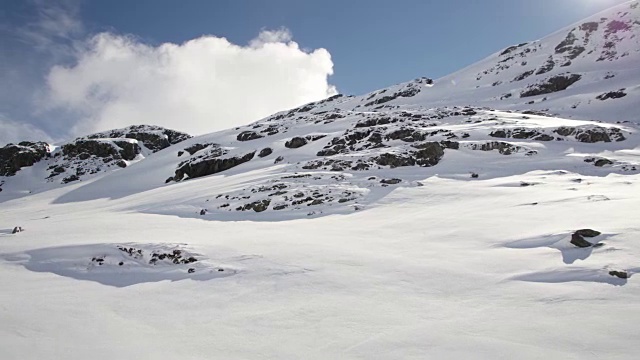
<point x="561" y="242"/>
<point x="572" y="275"/>
<point x="121" y="265"/>
<point x="6" y="232"/>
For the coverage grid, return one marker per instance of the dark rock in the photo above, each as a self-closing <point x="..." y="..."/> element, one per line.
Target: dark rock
<point x="191" y="270"/>
<point x="551" y="85"/>
<point x="296" y="142"/>
<point x="544" y="137"/>
<point x="154" y="138"/>
<point x="548" y="66"/>
<point x="602" y="162"/>
<point x="524" y="75"/>
<point x="390" y="181"/>
<point x="619" y="274"/>
<point x="69" y="179"/>
<point x="278" y="159"/>
<point x="122" y="150"/>
<point x="195" y="148"/>
<point x="248" y="136"/>
<point x="395" y="160"/>
<point x="592" y="135"/>
<point x="17" y="229"/>
<point x="502" y="147"/>
<point x="498" y="134"/>
<point x="612" y="95"/>
<point x="265" y="152"/>
<point x="429" y="154"/>
<point x="448" y="144"/>
<point x="128" y="150"/>
<point x="407" y="135"/>
<point x="15" y="157"/>
<point x="257" y="206"/>
<point x="579" y="241"/>
<point x="203" y="212"/>
<point x="199" y="168"/>
<point x="588" y="233"/>
<point x="474" y="175"/>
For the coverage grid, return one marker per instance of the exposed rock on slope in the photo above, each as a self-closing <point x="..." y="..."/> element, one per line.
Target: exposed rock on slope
<point x="14" y="157"/>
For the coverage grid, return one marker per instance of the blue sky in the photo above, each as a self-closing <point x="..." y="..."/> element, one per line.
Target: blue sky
<point x="69" y="67"/>
<point x="373" y="43"/>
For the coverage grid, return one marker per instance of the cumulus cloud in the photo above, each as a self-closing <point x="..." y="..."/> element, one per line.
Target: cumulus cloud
<point x="199" y="86"/>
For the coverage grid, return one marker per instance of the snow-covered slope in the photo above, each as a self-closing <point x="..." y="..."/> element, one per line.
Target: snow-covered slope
<point x="431" y="219"/>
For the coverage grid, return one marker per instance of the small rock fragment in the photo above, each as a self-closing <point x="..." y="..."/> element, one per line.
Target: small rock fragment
<point x="619" y="274"/>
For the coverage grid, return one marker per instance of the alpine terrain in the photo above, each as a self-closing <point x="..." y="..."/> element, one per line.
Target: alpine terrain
<point x="491" y="213"/>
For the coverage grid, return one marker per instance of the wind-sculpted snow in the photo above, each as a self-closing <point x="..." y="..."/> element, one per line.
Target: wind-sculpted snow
<point x="122" y="265"/>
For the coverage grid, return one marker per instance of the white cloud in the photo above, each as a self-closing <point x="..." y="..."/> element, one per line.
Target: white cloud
<point x="200" y="86"/>
<point x="14" y="132"/>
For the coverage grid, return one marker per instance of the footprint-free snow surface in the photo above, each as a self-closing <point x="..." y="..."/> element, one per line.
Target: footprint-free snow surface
<point x="492" y="213"/>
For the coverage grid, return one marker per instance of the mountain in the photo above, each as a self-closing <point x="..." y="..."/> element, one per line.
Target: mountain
<point x="488" y="213"/>
<point x="567" y="101"/>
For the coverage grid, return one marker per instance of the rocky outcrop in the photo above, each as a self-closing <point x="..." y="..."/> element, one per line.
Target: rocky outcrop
<point x="154" y="138"/>
<point x="502" y="147"/>
<point x="428" y="154"/>
<point x="551" y="85"/>
<point x="265" y="152"/>
<point x="592" y="134"/>
<point x="522" y="133"/>
<point x="200" y="167"/>
<point x="15" y="157"/>
<point x="577" y="238"/>
<point x="296" y="142"/>
<point x="612" y="95"/>
<point x="248" y="136"/>
<point x="84" y="149"/>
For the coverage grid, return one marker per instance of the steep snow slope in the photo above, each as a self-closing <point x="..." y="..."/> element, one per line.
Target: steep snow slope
<point x="601" y="53"/>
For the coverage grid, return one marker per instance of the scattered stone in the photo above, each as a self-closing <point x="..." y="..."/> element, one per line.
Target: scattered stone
<point x="588" y="233"/>
<point x="265" y="152"/>
<point x="296" y="142"/>
<point x="390" y="181"/>
<point x="619" y="274"/>
<point x="602" y="162"/>
<point x="579" y="241"/>
<point x="248" y="136"/>
<point x="612" y="95"/>
<point x="191" y="270"/>
<point x="17" y="229"/>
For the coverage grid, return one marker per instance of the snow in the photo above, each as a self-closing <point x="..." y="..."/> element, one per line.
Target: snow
<point x="407" y="262"/>
<point x="455" y="268"/>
